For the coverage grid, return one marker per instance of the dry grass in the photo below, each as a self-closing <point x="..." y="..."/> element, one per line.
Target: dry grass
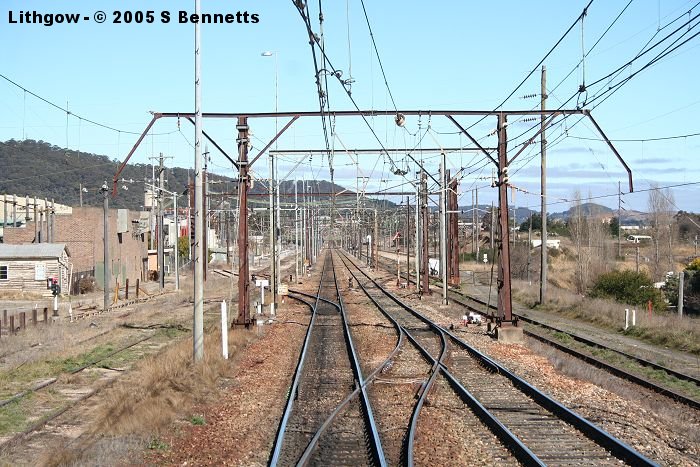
<point x="661" y="329"/>
<point x="159" y="390"/>
<point x="674" y="414"/>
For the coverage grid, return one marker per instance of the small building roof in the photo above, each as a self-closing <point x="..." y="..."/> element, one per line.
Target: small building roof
<point x="32" y="250"/>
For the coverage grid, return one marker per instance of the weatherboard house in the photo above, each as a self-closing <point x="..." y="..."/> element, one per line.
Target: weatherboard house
<point x="26" y="268"/>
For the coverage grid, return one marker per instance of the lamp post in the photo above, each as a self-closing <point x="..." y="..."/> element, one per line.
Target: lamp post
<point x="275" y="210"/>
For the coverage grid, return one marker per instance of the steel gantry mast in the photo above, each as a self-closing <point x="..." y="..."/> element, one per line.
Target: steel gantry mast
<point x="243" y="165"/>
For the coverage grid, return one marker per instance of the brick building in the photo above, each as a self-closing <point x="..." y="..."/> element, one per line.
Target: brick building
<point x="82" y="232"/>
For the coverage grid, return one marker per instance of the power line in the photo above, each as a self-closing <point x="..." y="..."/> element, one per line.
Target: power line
<point x="374" y="44"/>
<point x="68" y="112"/>
<point x="536" y="67"/>
<point x="638" y="140"/>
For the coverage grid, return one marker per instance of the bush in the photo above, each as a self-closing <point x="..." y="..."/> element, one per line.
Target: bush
<point x="694" y="265"/>
<point x="86" y="285"/>
<point x="629" y="287"/>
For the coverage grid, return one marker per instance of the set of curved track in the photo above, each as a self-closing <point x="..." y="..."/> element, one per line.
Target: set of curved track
<point x="477" y="305"/>
<point x="520" y="424"/>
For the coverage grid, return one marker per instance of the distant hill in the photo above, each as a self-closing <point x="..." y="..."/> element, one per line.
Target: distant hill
<point x="37" y="168"/>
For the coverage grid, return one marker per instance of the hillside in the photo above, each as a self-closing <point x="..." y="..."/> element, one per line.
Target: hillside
<point x="37" y="168"/>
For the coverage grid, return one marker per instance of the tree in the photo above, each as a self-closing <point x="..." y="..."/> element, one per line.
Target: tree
<point x="615" y="226"/>
<point x="536" y="223"/>
<point x="183" y="247"/>
<point x="629" y="287"/>
<point x="660" y="205"/>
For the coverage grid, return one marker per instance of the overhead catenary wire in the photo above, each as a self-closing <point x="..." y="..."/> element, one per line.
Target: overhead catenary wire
<point x="69" y="113"/>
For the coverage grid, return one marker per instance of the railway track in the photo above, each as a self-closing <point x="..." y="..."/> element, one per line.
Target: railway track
<point x="488" y="310"/>
<point x="327" y="419"/>
<point x="536" y="429"/>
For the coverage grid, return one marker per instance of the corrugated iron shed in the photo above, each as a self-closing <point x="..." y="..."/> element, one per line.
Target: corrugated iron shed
<point x="34" y="250"/>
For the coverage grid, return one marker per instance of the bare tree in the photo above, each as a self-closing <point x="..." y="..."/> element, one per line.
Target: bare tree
<point x="660" y="205"/>
<point x="579" y="237"/>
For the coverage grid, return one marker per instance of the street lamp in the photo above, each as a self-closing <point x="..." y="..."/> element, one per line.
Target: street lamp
<point x="275" y="247"/>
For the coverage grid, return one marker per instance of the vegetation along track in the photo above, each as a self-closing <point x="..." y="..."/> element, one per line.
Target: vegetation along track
<point x="486" y="309"/>
<point x="323" y="422"/>
<point x="53" y="414"/>
<point x="535" y="428"/>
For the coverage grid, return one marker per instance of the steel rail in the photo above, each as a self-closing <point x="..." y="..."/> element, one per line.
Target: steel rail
<point x="376" y="444"/>
<point x="618" y="448"/>
<point x="282" y="429"/>
<point x="589" y="359"/>
<point x="511" y="442"/>
<point x="592" y="343"/>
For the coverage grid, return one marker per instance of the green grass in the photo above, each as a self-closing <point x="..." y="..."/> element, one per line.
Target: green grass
<point x="197" y="420"/>
<point x="157" y="444"/>
<point x="73" y="363"/>
<point x="658" y="376"/>
<point x="13" y="416"/>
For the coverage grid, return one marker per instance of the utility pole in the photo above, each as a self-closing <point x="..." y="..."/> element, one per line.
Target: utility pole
<point x="36" y="239"/>
<point x="4" y="212"/>
<point x="493" y="221"/>
<point x="543" y="188"/>
<point x="529" y="244"/>
<point x="296" y="233"/>
<point x="375" y="242"/>
<point x="619" y="220"/>
<point x="425" y="255"/>
<point x="81" y="195"/>
<point x="176" y="248"/>
<point x="159" y="225"/>
<point x="505" y="305"/>
<point x="477" y="224"/>
<point x="243" y="184"/>
<point x="198" y="314"/>
<point x="407" y="242"/>
<point x="474" y="216"/>
<point x="273" y="239"/>
<point x="443" y="226"/>
<point x="418" y="246"/>
<point x="107" y="263"/>
<point x="681" y="283"/>
<point x="46" y="210"/>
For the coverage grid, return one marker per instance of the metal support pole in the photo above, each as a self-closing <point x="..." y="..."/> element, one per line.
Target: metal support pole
<point x="296" y="234"/>
<point x="443" y="227"/>
<point x="107" y="269"/>
<point x="619" y="220"/>
<point x="418" y="237"/>
<point x="408" y="242"/>
<point x="424" y="224"/>
<point x="681" y="282"/>
<point x="243" y="267"/>
<point x="273" y="238"/>
<point x="504" y="297"/>
<point x="375" y="242"/>
<point x="37" y="239"/>
<point x="477" y="224"/>
<point x="159" y="225"/>
<point x="176" y="248"/>
<point x="198" y="314"/>
<point x="543" y="189"/>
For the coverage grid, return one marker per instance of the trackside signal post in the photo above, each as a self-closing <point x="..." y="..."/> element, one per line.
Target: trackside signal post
<point x="505" y="315"/>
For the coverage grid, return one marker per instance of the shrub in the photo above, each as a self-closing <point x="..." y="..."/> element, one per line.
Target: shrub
<point x="633" y="288"/>
<point x="86" y="285"/>
<point x="694" y="265"/>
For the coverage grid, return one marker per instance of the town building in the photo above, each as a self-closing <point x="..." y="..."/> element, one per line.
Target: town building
<point x="28" y="268"/>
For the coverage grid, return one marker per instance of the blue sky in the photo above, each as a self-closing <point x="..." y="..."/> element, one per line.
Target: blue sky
<point x="442" y="55"/>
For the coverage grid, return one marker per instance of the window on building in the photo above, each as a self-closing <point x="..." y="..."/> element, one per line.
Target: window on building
<point x="3" y="272"/>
